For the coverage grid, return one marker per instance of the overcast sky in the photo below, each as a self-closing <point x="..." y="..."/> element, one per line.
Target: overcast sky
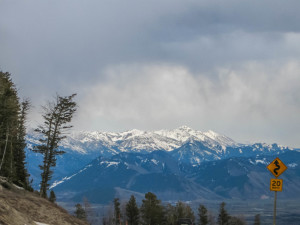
<point x="228" y="66"/>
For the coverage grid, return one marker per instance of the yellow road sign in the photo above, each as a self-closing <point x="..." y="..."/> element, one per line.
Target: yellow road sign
<point x="277" y="167"/>
<point x="276" y="185"/>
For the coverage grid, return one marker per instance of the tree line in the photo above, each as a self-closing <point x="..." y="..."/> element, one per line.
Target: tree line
<point x="153" y="212"/>
<point x="13" y="114"/>
<point x="57" y="115"/>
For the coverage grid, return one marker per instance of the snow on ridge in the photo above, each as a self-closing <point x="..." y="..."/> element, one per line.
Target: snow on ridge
<point x="109" y="164"/>
<point x="154" y="161"/>
<point x="137" y="140"/>
<point x="292" y="165"/>
<point x="211" y="134"/>
<point x="263" y="161"/>
<point x="55" y="183"/>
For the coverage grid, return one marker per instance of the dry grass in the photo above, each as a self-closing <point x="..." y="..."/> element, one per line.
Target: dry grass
<point x="20" y="207"/>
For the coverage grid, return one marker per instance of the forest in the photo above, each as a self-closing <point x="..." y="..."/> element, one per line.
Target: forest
<point x="153" y="212"/>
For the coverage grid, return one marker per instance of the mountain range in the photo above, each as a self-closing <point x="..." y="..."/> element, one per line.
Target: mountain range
<point x="175" y="164"/>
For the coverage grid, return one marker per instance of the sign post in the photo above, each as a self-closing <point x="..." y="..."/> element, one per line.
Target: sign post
<point x="276" y="167"/>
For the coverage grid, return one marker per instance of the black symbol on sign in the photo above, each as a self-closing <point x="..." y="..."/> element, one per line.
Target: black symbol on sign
<point x="278" y="167"/>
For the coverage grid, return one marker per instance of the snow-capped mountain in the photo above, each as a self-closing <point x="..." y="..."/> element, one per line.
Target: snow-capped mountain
<point x="143" y="141"/>
<point x="184" y="144"/>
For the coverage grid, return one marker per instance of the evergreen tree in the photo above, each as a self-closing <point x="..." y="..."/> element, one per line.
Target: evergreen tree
<point x="236" y="221"/>
<point x="151" y="210"/>
<point x="89" y="211"/>
<point x="184" y="211"/>
<point x="203" y="217"/>
<point x="223" y="217"/>
<point x="211" y="219"/>
<point x="52" y="197"/>
<point x="189" y="213"/>
<point x="117" y="214"/>
<point x="12" y="133"/>
<point x="80" y="212"/>
<point x="257" y="219"/>
<point x="132" y="212"/>
<point x="19" y="153"/>
<point x="9" y="111"/>
<point x="170" y="214"/>
<point x="57" y="115"/>
<point x="180" y="210"/>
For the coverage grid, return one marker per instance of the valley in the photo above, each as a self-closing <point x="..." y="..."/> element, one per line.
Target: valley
<point x="178" y="165"/>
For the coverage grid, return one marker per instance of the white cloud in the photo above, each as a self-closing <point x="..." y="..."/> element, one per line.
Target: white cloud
<point x="253" y="98"/>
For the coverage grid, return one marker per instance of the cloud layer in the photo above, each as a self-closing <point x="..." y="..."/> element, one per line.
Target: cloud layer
<point x="236" y="101"/>
<point x="231" y="66"/>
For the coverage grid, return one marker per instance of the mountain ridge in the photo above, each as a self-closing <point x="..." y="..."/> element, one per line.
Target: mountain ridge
<point x="159" y="172"/>
<point x="184" y="144"/>
<point x="135" y="140"/>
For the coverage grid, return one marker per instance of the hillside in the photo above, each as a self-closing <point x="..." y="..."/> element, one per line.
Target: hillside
<point x="20" y="207"/>
<point x="126" y="173"/>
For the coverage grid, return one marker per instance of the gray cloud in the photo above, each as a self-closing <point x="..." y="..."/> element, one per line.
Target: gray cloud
<point x="168" y="95"/>
<point x="231" y="66"/>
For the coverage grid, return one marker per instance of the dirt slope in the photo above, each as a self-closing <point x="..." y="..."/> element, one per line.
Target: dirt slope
<point x="20" y="207"/>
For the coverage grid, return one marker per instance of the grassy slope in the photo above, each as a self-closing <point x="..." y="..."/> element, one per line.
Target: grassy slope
<point x="20" y="207"/>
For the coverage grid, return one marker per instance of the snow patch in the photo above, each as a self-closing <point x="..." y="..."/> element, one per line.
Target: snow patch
<point x="292" y="165"/>
<point x="110" y="163"/>
<point x="55" y="183"/>
<point x="38" y="223"/>
<point x="16" y="186"/>
<point x="263" y="161"/>
<point x="154" y="161"/>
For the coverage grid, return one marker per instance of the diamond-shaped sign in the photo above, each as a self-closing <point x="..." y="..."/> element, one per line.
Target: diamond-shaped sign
<point x="277" y="167"/>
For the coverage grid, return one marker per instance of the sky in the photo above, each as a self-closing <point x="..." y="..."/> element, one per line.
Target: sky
<point x="228" y="66"/>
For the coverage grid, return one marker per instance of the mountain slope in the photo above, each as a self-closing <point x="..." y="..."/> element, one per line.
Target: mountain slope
<point x="248" y="178"/>
<point x="156" y="172"/>
<point x="83" y="147"/>
<point x="19" y="207"/>
<point x="161" y="173"/>
<point x="186" y="145"/>
<point x="195" y="152"/>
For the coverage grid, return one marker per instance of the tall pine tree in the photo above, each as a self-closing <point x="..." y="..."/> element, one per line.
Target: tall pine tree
<point x="80" y="212"/>
<point x="12" y="132"/>
<point x="203" y="217"/>
<point x="9" y="108"/>
<point x="117" y="214"/>
<point x="257" y="219"/>
<point x="223" y="218"/>
<point x="151" y="210"/>
<point x="57" y="116"/>
<point x="132" y="212"/>
<point x="183" y="210"/>
<point x="19" y="153"/>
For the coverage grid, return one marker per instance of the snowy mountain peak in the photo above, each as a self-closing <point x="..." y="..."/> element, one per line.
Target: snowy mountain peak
<point x="211" y="134"/>
<point x="223" y="140"/>
<point x="141" y="141"/>
<point x="185" y="128"/>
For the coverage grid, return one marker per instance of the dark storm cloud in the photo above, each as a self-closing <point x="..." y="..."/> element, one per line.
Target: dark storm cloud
<point x="75" y="38"/>
<point x="214" y="57"/>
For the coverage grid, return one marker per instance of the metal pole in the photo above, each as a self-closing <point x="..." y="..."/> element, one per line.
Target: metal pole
<point x="274" y="217"/>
